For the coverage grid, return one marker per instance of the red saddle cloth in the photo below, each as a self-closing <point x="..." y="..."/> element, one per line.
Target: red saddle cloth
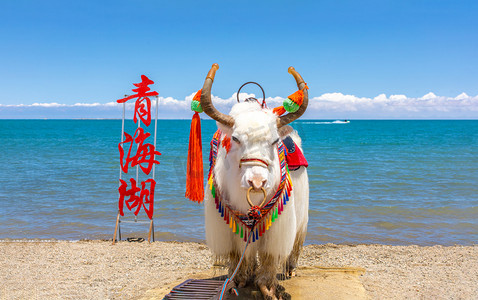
<point x="294" y="157"/>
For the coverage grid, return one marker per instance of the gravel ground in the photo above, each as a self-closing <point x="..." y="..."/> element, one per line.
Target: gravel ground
<point x="99" y="270"/>
<point x="405" y="272"/>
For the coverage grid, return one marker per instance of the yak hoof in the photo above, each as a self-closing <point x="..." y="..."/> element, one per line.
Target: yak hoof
<point x="239" y="284"/>
<point x="268" y="294"/>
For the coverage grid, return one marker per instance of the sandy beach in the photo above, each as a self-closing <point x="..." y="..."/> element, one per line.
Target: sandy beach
<point x="99" y="270"/>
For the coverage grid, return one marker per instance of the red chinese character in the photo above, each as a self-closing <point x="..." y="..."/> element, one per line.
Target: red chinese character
<point x="131" y="193"/>
<point x="145" y="198"/>
<point x="144" y="153"/>
<point x="140" y="108"/>
<point x="141" y="91"/>
<point x="143" y="113"/>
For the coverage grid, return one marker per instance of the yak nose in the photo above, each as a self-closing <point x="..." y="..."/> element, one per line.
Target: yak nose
<point x="257" y="183"/>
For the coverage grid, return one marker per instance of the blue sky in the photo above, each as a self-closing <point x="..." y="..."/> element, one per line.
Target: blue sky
<point x="90" y="52"/>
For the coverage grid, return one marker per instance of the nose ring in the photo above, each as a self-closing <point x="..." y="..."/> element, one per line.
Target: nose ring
<point x="249" y="199"/>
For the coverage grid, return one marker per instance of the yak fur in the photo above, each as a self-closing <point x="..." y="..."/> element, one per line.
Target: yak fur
<point x="254" y="133"/>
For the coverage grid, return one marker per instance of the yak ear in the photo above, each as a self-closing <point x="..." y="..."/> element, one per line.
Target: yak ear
<point x="285" y="130"/>
<point x="224" y="128"/>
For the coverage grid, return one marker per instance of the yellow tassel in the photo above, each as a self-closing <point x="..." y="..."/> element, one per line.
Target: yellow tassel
<point x="234" y="227"/>
<point x="230" y="223"/>
<point x="210" y="182"/>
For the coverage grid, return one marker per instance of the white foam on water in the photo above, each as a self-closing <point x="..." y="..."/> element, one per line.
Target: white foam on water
<point x="329" y="122"/>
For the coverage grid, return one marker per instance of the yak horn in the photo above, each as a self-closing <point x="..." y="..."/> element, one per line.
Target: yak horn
<point x="206" y="102"/>
<point x="284" y="120"/>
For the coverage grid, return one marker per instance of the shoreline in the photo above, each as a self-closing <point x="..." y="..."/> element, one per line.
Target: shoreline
<point x="198" y="241"/>
<point x="92" y="269"/>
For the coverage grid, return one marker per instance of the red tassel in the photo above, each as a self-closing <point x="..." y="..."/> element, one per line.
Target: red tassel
<point x="197" y="96"/>
<point x="280" y="110"/>
<point x="195" y="175"/>
<point x="226" y="143"/>
<point x="297" y="97"/>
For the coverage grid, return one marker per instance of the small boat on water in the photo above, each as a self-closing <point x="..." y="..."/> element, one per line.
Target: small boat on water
<point x="341" y="121"/>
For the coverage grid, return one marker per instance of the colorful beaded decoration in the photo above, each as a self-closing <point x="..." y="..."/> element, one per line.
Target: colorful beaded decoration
<point x="239" y="222"/>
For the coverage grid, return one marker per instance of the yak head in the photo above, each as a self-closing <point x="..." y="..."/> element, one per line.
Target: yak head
<point x="252" y="133"/>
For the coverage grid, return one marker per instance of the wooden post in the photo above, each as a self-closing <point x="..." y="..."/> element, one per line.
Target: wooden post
<point x="116" y="227"/>
<point x="150" y="230"/>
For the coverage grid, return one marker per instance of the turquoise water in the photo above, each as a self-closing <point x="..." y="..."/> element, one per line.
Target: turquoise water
<point x="388" y="182"/>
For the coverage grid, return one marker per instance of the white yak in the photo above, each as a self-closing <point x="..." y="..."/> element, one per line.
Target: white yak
<point x="252" y="161"/>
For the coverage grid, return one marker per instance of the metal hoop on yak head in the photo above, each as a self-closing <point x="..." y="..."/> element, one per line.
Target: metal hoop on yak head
<point x="227" y="120"/>
<point x="252" y="98"/>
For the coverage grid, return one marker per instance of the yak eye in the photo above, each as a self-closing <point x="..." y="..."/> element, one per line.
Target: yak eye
<point x="235" y="139"/>
<point x="275" y="142"/>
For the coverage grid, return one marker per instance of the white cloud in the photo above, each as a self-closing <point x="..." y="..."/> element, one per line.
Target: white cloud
<point x="428" y="96"/>
<point x="54" y="104"/>
<point x="398" y="97"/>
<point x="325" y="106"/>
<point x="462" y="96"/>
<point x="87" y="104"/>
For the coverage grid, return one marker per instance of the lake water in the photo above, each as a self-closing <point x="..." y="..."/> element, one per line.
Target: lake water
<point x="387" y="182"/>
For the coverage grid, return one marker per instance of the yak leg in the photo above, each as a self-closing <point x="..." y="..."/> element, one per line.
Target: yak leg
<point x="245" y="271"/>
<point x="294" y="255"/>
<point x="266" y="278"/>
